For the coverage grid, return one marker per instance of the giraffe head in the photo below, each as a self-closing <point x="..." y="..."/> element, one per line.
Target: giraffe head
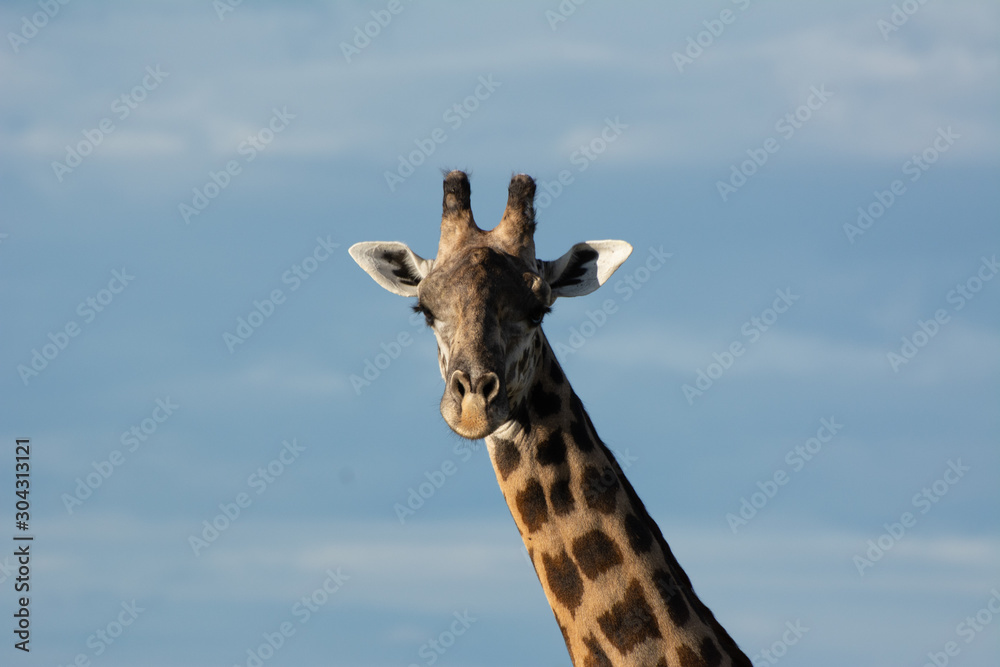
<point x="485" y="295"/>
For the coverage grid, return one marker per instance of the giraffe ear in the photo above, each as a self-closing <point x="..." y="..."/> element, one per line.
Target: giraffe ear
<point x="585" y="267"/>
<point x="392" y="265"/>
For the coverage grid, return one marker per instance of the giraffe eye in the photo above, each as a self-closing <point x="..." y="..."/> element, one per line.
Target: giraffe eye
<point x="537" y="316"/>
<point x="428" y="315"/>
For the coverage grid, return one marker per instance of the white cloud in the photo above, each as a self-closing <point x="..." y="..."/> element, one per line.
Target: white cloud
<point x="271" y="377"/>
<point x="889" y="97"/>
<point x="438" y="567"/>
<point x="959" y="352"/>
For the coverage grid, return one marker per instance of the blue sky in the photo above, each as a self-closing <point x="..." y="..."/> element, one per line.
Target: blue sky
<point x="119" y="120"/>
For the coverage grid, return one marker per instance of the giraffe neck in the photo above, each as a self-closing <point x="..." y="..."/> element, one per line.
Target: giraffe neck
<point x="616" y="590"/>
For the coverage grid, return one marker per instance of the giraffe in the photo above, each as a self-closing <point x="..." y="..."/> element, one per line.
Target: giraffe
<point x="618" y="594"/>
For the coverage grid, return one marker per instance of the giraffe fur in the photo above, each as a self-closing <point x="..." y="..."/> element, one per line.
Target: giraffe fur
<point x="618" y="594"/>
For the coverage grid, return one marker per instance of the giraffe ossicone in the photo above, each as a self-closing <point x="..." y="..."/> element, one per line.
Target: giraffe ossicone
<point x="617" y="592"/>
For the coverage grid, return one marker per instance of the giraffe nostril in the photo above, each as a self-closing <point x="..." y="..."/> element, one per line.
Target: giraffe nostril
<point x="459" y="384"/>
<point x="490" y="387"/>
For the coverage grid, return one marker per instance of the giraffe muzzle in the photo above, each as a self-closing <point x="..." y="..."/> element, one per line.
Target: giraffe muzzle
<point x="474" y="406"/>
